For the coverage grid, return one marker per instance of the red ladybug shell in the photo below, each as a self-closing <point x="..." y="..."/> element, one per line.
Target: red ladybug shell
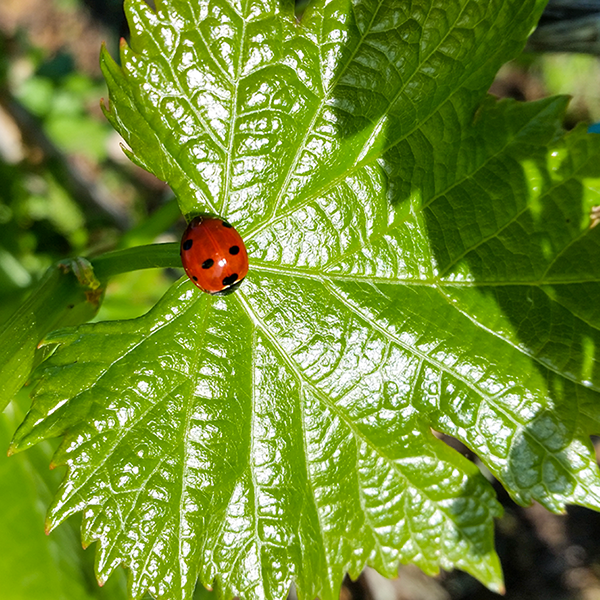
<point x="213" y="255"/>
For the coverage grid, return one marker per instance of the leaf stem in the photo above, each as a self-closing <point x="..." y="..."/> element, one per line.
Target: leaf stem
<point x="151" y="256"/>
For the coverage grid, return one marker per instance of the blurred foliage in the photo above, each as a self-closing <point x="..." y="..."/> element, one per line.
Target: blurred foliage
<point x="52" y="132"/>
<point x="535" y="76"/>
<point x="577" y="75"/>
<point x="62" y="101"/>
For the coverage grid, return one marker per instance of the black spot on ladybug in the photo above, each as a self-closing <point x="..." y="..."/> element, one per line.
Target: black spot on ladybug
<point x="188" y="244"/>
<point x="231" y="279"/>
<point x="234" y="250"/>
<point x="208" y="263"/>
<point x="226" y="224"/>
<point x="194" y="278"/>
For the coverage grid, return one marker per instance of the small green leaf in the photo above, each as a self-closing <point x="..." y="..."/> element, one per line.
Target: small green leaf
<point x="68" y="294"/>
<point x="422" y="257"/>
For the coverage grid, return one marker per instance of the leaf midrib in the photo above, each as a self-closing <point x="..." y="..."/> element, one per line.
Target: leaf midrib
<point x="326" y="187"/>
<point x="319" y="275"/>
<point x="204" y="320"/>
<point x="335" y="409"/>
<point x="440" y="285"/>
<point x="232" y="121"/>
<point x="318" y="112"/>
<point x="420" y="209"/>
<point x="491" y="400"/>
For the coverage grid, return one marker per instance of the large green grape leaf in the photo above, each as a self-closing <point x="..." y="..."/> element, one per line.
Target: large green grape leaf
<point x="421" y="257"/>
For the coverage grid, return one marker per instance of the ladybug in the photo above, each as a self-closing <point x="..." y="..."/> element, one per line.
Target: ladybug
<point x="213" y="255"/>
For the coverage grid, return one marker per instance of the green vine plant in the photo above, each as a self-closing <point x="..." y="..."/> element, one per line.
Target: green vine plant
<point x="422" y="259"/>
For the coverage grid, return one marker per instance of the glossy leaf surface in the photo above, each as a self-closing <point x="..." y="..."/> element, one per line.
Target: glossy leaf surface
<point x="421" y="257"/>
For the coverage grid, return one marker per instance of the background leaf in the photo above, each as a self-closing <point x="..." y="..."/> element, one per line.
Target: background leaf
<point x="420" y="257"/>
<point x="35" y="565"/>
